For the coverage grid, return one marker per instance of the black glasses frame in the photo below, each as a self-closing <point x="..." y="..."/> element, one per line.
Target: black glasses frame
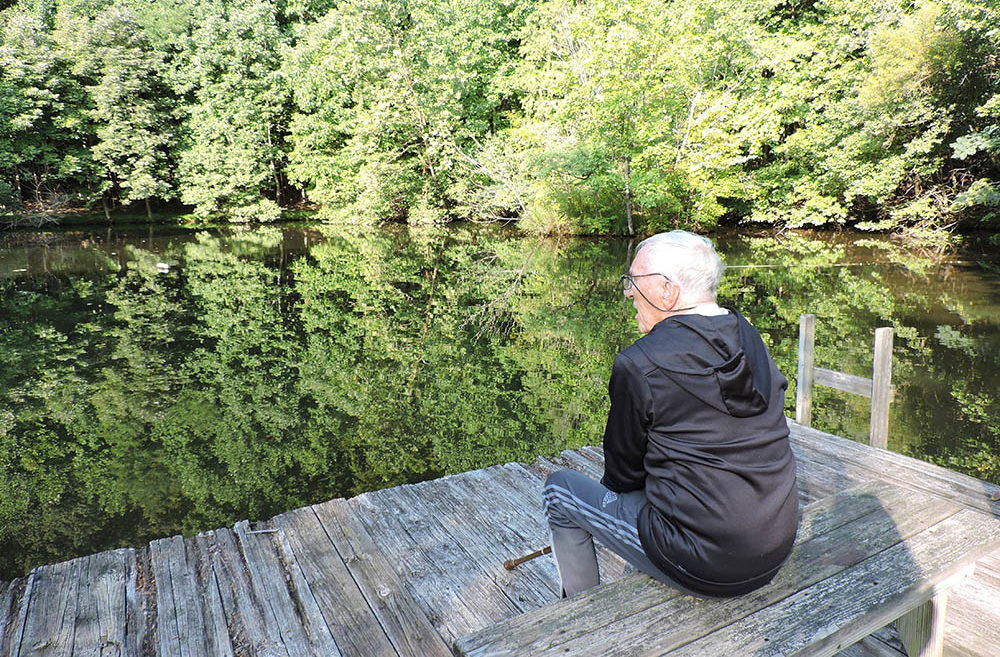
<point x="627" y="281"/>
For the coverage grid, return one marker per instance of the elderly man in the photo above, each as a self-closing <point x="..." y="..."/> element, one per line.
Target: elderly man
<point x="699" y="480"/>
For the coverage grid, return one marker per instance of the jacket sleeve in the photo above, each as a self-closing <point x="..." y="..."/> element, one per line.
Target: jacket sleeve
<point x="628" y="422"/>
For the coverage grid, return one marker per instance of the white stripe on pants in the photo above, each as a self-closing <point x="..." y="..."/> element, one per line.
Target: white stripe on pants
<point x="579" y="509"/>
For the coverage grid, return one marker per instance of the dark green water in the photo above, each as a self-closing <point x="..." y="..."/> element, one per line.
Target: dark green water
<point x="163" y="382"/>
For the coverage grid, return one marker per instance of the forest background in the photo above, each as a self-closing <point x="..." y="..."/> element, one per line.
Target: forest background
<point x="571" y="117"/>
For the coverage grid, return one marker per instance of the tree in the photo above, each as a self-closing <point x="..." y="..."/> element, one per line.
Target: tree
<point x="872" y="96"/>
<point x="636" y="108"/>
<point x="231" y="158"/>
<point x="583" y="117"/>
<point x="390" y="95"/>
<point x="45" y="157"/>
<point x="9" y="196"/>
<point x="131" y="109"/>
<point x="978" y="143"/>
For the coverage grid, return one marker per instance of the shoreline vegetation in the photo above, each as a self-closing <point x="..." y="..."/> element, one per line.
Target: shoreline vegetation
<point x="598" y="117"/>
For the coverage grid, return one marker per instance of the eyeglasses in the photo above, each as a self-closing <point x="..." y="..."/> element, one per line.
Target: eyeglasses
<point x="627" y="281"/>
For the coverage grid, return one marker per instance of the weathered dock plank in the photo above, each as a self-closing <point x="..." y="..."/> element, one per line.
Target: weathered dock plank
<point x="872" y="646"/>
<point x="817" y="477"/>
<point x="442" y="554"/>
<point x="988" y="569"/>
<point x="493" y="503"/>
<point x="543" y="467"/>
<point x="181" y="630"/>
<point x="8" y="597"/>
<point x="47" y="621"/>
<point x="140" y="610"/>
<point x="424" y="579"/>
<point x="404" y="622"/>
<point x="14" y="633"/>
<point x="883" y="642"/>
<point x="868" y="520"/>
<point x="253" y="625"/>
<point x="595" y="454"/>
<point x="101" y="625"/>
<point x="859" y="462"/>
<point x="288" y="610"/>
<point x="345" y="610"/>
<point x="821" y="606"/>
<point x="973" y="623"/>
<point x="524" y="493"/>
<point x="577" y="461"/>
<point x="343" y="599"/>
<point x="313" y="620"/>
<point x="217" y="637"/>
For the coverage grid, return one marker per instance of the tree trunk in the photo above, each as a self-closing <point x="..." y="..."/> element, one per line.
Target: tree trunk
<point x="277" y="183"/>
<point x="275" y="173"/>
<point x="107" y="210"/>
<point x="149" y="211"/>
<point x="628" y="197"/>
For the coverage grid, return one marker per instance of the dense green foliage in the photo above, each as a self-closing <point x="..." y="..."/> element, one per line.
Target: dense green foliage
<point x="174" y="385"/>
<point x="599" y="116"/>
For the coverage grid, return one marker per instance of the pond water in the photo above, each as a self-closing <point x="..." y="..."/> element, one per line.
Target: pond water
<point x="162" y="381"/>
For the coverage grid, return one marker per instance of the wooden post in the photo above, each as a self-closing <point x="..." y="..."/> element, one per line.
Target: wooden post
<point x="921" y="631"/>
<point x="878" y="435"/>
<point x="804" y="376"/>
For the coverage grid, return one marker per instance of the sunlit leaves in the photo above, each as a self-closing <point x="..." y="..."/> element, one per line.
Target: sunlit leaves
<point x="572" y="117"/>
<point x="134" y="136"/>
<point x="44" y="157"/>
<point x="229" y="164"/>
<point x="391" y="96"/>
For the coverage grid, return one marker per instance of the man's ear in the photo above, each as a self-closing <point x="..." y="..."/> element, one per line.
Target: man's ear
<point x="668" y="295"/>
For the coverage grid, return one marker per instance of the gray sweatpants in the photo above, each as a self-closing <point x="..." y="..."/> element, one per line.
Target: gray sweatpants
<point x="579" y="509"/>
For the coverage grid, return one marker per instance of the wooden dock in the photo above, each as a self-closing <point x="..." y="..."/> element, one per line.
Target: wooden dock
<point x="402" y="571"/>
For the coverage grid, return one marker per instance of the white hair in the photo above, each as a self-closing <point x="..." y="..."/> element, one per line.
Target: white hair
<point x="689" y="260"/>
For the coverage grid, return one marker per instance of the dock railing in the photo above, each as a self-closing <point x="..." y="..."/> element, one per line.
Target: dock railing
<point x="878" y="388"/>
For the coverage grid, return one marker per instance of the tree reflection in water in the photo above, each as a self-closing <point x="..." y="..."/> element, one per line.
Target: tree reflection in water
<point x="176" y="383"/>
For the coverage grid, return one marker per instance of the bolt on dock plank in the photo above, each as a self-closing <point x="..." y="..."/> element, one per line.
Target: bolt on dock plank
<point x="409" y="570"/>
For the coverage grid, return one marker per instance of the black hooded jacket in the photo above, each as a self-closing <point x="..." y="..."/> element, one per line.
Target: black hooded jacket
<point x="697" y="421"/>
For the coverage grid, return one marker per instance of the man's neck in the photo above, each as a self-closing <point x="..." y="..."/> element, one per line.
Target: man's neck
<point x="706" y="308"/>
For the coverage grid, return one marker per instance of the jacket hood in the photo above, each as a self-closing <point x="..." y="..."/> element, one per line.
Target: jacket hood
<point x="721" y="360"/>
